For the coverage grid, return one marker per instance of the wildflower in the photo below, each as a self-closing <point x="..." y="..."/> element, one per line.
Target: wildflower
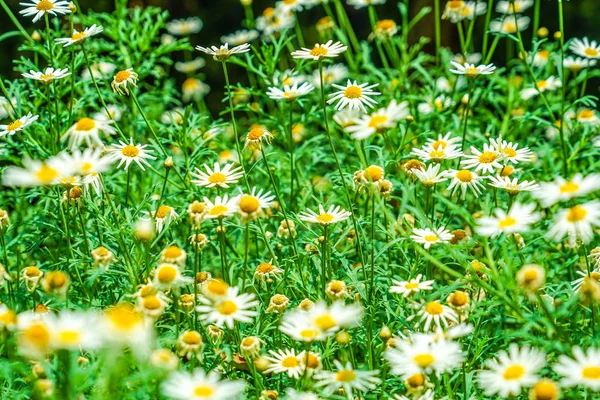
<point x="331" y="74"/>
<point x="458" y="300"/>
<point x="549" y="84"/>
<point x="277" y="303"/>
<point x="561" y="189"/>
<point x="214" y="289"/>
<point x="436" y="313"/>
<point x="33" y="334"/>
<point x="56" y="283"/>
<point x="472" y="71"/>
<point x="513" y="186"/>
<point x="583" y="370"/>
<point x="336" y="290"/>
<point x="509" y="151"/>
<point x="285" y="362"/>
<point x="267" y="271"/>
<point x="163" y="216"/>
<point x="346" y="378"/>
<point x="48" y="75"/>
<point x="358" y="4"/>
<point x="321" y="51"/>
<point x="232" y="307"/>
<point x="465" y="179"/>
<point x="250" y="206"/>
<point x="507" y="25"/>
<point x="354" y="96"/>
<point x="128" y="153"/>
<point x="185" y="27"/>
<point x="102" y="256"/>
<point x="189" y="67"/>
<point x="152" y="305"/>
<point x="436" y="154"/>
<point x="255" y="137"/>
<point x="99" y="70"/>
<point x="333" y="215"/>
<point x="198" y="384"/>
<point x="290" y="93"/>
<point x="189" y="345"/>
<point x="531" y="277"/>
<point x="516" y="220"/>
<point x="429" y="237"/>
<point x="576" y="223"/>
<point x="193" y="89"/>
<point x="199" y="240"/>
<point x="173" y="254"/>
<point x="125" y="325"/>
<point x="122" y="79"/>
<point x="70" y="330"/>
<point x="517" y="6"/>
<point x="163" y="359"/>
<point x="250" y="346"/>
<point x="585" y="48"/>
<point x="240" y="37"/>
<point x="18" y="124"/>
<point x="385" y="28"/>
<point x="381" y="120"/>
<point x="111" y="113"/>
<point x="80" y="37"/>
<point x="545" y="389"/>
<point x="286" y="229"/>
<point x="584" y="116"/>
<point x="511" y="371"/>
<point x="431" y="175"/>
<point x="458" y="10"/>
<point x="221" y="208"/>
<point x="169" y="275"/>
<point x="39" y="8"/>
<point x="196" y="211"/>
<point x="576" y="64"/>
<point x="486" y="160"/>
<point x="224" y="52"/>
<point x="439" y="103"/>
<point x="87" y="130"/>
<point x="540" y="58"/>
<point x="407" y="288"/>
<point x="32" y="276"/>
<point x="217" y="177"/>
<point x="274" y="20"/>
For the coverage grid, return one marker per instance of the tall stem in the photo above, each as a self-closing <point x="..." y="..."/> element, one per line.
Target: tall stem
<point x="438" y="31"/>
<point x="324" y="261"/>
<point x="291" y="144"/>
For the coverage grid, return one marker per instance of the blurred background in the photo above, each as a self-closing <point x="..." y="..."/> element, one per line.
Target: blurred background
<point x="225" y="16"/>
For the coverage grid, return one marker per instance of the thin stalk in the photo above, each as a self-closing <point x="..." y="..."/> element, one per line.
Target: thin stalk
<point x="291" y="144"/>
<point x="127" y="187"/>
<point x="224" y="269"/>
<point x="562" y="88"/>
<point x="438" y="32"/>
<point x="15" y="21"/>
<point x="324" y="261"/>
<point x="488" y="18"/>
<point x="372" y="280"/>
<point x="246" y="249"/>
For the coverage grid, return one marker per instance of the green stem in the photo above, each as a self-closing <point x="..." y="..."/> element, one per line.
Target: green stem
<point x="324" y="262"/>
<point x="438" y="32"/>
<point x="16" y="21"/>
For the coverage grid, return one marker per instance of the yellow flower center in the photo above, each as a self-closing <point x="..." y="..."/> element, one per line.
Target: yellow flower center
<point x="345" y="375"/>
<point x="13" y="126"/>
<point x="510" y="152"/>
<point x="431" y="238"/>
<point x="87" y="168"/>
<point x="249" y="204"/>
<point x="507" y="222"/>
<point x="190" y="84"/>
<point x="123" y="316"/>
<point x="8" y="318"/>
<point x="264" y="268"/>
<point x="376" y="120"/>
<point x="487" y="157"/>
<point x="44" y="5"/>
<point x="325" y="322"/>
<point x="162" y="212"/>
<point x="309" y="334"/>
<point x="541" y="84"/>
<point x="424" y="360"/>
<point x="217" y="177"/>
<point x="46" y="77"/>
<point x="32" y="272"/>
<point x="385" y="25"/>
<point x="591" y="372"/>
<point x="130" y="151"/>
<point x="353" y="92"/>
<point x="591" y="52"/>
<point x="247" y="342"/>
<point x="459" y="299"/>
<point x="514" y="372"/>
<point x="122" y="76"/>
<point x="217" y="287"/>
<point x="471" y="71"/>
<point x="530" y="275"/>
<point x="256" y="133"/>
<point x="191" y="338"/>
<point x="576" y="214"/>
<point x="166" y="274"/>
<point x="46" y="174"/>
<point x="86" y="124"/>
<point x="152" y="302"/>
<point x="455" y="4"/>
<point x="325" y="218"/>
<point x="203" y="391"/>
<point x="569" y="187"/>
<point x="510" y="27"/>
<point x="544" y="391"/>
<point x="374" y="173"/>
<point x="38" y="334"/>
<point x="585" y="114"/>
<point x="416" y="380"/>
<point x="464" y="175"/>
<point x="227" y="307"/>
<point x="411" y="285"/>
<point x="172" y="252"/>
<point x="434" y="308"/>
<point x="319" y="51"/>
<point x="437" y="154"/>
<point x="218" y="210"/>
<point x="78" y="36"/>
<point x="69" y="337"/>
<point x="290" y="362"/>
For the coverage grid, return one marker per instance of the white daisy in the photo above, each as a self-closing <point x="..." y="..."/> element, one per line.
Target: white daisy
<point x="517" y="220"/>
<point x="193" y="89"/>
<point x="122" y="79"/>
<point x="456" y="11"/>
<point x="48" y="75"/>
<point x="188" y="26"/>
<point x="465" y="179"/>
<point x="439" y="153"/>
<point x="516" y="7"/>
<point x="127" y="153"/>
<point x="198" y="385"/>
<point x="189" y="67"/>
<point x="512" y="186"/>
<point x="429" y="237"/>
<point x="36" y="173"/>
<point x="561" y="189"/>
<point x="71" y="330"/>
<point x="217" y="176"/>
<point x="507" y="25"/>
<point x="346" y="378"/>
<point x="577" y="223"/>
<point x="168" y="275"/>
<point x="253" y="204"/>
<point x="41" y="7"/>
<point x="224" y="52"/>
<point x="358" y="4"/>
<point x="87" y="130"/>
<point x="472" y="71"/>
<point x="285" y="362"/>
<point x="229" y="309"/>
<point x="18" y="124"/>
<point x="353" y="96"/>
<point x="434" y="314"/>
<point x="431" y="175"/>
<point x="576" y="64"/>
<point x="585" y="48"/>
<point x="290" y="93"/>
<point x="331" y="74"/>
<point x="112" y="113"/>
<point x="379" y="121"/>
<point x="222" y="207"/>
<point x="240" y="37"/>
<point x="321" y="51"/>
<point x="509" y="151"/>
<point x="407" y="288"/>
<point x="431" y="104"/>
<point x="331" y="216"/>
<point x="549" y="84"/>
<point x="80" y="37"/>
<point x="485" y="161"/>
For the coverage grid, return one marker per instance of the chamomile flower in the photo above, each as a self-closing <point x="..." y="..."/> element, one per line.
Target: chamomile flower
<point x="321" y="51"/>
<point x="217" y="176"/>
<point x="472" y="71"/>
<point x="331" y="74"/>
<point x="193" y="89"/>
<point x="39" y="8"/>
<point x="71" y="330"/>
<point x="561" y="189"/>
<point x="274" y="20"/>
<point x="431" y="175"/>
<point x="358" y="4"/>
<point x="381" y="120"/>
<point x="585" y="116"/>
<point x="540" y="58"/>
<point x="585" y="48"/>
<point x="189" y="67"/>
<point x="549" y="84"/>
<point x="516" y="7"/>
<point x="267" y="271"/>
<point x="252" y="205"/>
<point x="89" y="164"/>
<point x="458" y="10"/>
<point x="128" y="153"/>
<point x="122" y="79"/>
<point x="184" y="27"/>
<point x="125" y="325"/>
<point x="333" y="215"/>
<point x="511" y="371"/>
<point x="163" y="216"/>
<point x="485" y="161"/>
<point x="439" y="104"/>
<point x="438" y="153"/>
<point x="576" y="64"/>
<point x="256" y="135"/>
<point x="48" y="75"/>
<point x="223" y="52"/>
<point x="510" y="152"/>
<point x="18" y="124"/>
<point x="512" y="186"/>
<point x="354" y="96"/>
<point x="347" y="378"/>
<point x="286" y="362"/>
<point x="290" y="93"/>
<point x="229" y="309"/>
<point x="34" y="333"/>
<point x="465" y="179"/>
<point x="507" y="25"/>
<point x="582" y="370"/>
<point x="168" y="275"/>
<point x="80" y="37"/>
<point x="112" y="113"/>
<point x="577" y="223"/>
<point x="434" y="314"/>
<point x="429" y="237"/>
<point x="221" y="208"/>
<point x="36" y="173"/>
<point x="87" y="130"/>
<point x="198" y="385"/>
<point x="240" y="37"/>
<point x="516" y="220"/>
<point x="99" y="70"/>
<point x="412" y="286"/>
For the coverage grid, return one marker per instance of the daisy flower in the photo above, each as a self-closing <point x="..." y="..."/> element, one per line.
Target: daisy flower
<point x="507" y="25"/>
<point x="407" y="288"/>
<point x="561" y="189"/>
<point x="224" y="52"/>
<point x="285" y="362"/>
<point x="509" y="151"/>
<point x="123" y="324"/>
<point x="438" y="153"/>
<point x="72" y="330"/>
<point x="112" y="113"/>
<point x="48" y="75"/>
<point x="465" y="179"/>
<point x="168" y="275"/>
<point x="518" y="6"/>
<point x="431" y="175"/>
<point x="33" y="334"/>
<point x="274" y="20"/>
<point x="439" y="103"/>
<point x="517" y="220"/>
<point x="229" y="309"/>
<point x="472" y="71"/>
<point x="545" y="389"/>
<point x="485" y="161"/>
<point x="321" y="321"/>
<point x="585" y="48"/>
<point x="331" y="74"/>
<point x="434" y="314"/>
<point x="255" y="137"/>
<point x="100" y="70"/>
<point x="36" y="173"/>
<point x="540" y="58"/>
<point x="512" y="186"/>
<point x="80" y="37"/>
<point x="41" y="7"/>
<point x="511" y="371"/>
<point x="18" y="124"/>
<point x="576" y="64"/>
<point x="290" y="93"/>
<point x="87" y="130"/>
<point x="321" y="51"/>
<point x="353" y="96"/>
<point x="198" y="385"/>
<point x="193" y="89"/>
<point x="456" y="11"/>
<point x="128" y="153"/>
<point x="222" y="207"/>
<point x="89" y="164"/>
<point x="347" y="117"/>
<point x="122" y="79"/>
<point x="240" y="37"/>
<point x="358" y="4"/>
<point x="217" y="177"/>
<point x="189" y="67"/>
<point x="584" y="116"/>
<point x="549" y="84"/>
<point x="252" y="205"/>
<point x="346" y="378"/>
<point x="577" y="223"/>
<point x="429" y="237"/>
<point x="163" y="217"/>
<point x="184" y="27"/>
<point x="266" y="271"/>
<point x="331" y="216"/>
<point x="381" y="120"/>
